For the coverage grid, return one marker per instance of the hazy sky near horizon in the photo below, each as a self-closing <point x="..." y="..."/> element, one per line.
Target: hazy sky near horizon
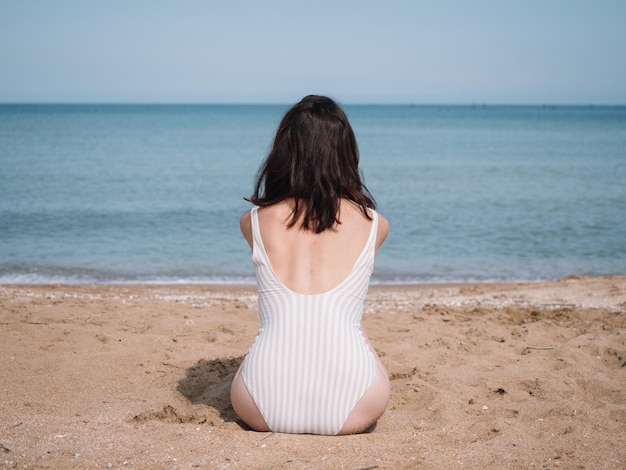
<point x="246" y="51"/>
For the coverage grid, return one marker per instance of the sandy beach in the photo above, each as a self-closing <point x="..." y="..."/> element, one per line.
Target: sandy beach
<point x="529" y="375"/>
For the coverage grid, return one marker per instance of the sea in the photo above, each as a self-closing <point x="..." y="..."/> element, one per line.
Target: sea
<point x="107" y="193"/>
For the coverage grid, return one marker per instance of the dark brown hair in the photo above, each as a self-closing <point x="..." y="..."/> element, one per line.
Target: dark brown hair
<point x="314" y="160"/>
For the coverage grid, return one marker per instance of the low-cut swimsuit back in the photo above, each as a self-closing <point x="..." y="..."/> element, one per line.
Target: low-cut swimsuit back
<point x="310" y="363"/>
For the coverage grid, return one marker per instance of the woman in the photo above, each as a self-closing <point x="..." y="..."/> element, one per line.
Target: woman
<point x="314" y="236"/>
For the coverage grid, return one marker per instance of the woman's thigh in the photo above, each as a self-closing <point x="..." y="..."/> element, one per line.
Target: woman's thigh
<point x="371" y="405"/>
<point x="244" y="405"/>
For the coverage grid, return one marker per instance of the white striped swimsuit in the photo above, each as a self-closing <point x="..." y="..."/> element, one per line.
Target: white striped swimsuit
<point x="309" y="364"/>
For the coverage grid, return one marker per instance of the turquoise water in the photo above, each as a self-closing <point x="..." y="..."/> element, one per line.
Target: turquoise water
<point x="153" y="193"/>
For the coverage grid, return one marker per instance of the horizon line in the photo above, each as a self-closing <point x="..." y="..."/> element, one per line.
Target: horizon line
<point x="285" y="103"/>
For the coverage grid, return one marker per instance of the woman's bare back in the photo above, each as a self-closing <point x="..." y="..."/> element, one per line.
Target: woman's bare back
<point x="307" y="262"/>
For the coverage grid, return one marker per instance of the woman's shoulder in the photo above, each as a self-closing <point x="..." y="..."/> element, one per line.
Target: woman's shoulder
<point x="382" y="221"/>
<point x="383" y="230"/>
<point x="357" y="210"/>
<point x="353" y="213"/>
<point x="246" y="218"/>
<point x="245" y="225"/>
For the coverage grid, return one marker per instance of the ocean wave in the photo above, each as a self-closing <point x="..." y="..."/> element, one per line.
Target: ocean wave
<point x="19" y="275"/>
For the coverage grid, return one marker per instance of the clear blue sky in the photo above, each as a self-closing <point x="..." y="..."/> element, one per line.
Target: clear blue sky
<point x="220" y="51"/>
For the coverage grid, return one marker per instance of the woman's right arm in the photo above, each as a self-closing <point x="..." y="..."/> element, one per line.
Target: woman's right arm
<point x="245" y="224"/>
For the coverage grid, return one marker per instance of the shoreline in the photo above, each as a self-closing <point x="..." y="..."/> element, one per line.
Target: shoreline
<point x="538" y="292"/>
<point x="498" y="375"/>
<point x="251" y="281"/>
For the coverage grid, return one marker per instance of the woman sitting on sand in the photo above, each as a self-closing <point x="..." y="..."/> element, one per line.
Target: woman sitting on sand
<point x="314" y="236"/>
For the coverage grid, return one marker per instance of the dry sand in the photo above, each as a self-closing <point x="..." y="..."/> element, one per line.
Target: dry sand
<point x="483" y="376"/>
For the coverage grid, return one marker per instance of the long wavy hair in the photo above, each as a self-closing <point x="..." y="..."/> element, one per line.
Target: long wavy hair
<point x="315" y="161"/>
